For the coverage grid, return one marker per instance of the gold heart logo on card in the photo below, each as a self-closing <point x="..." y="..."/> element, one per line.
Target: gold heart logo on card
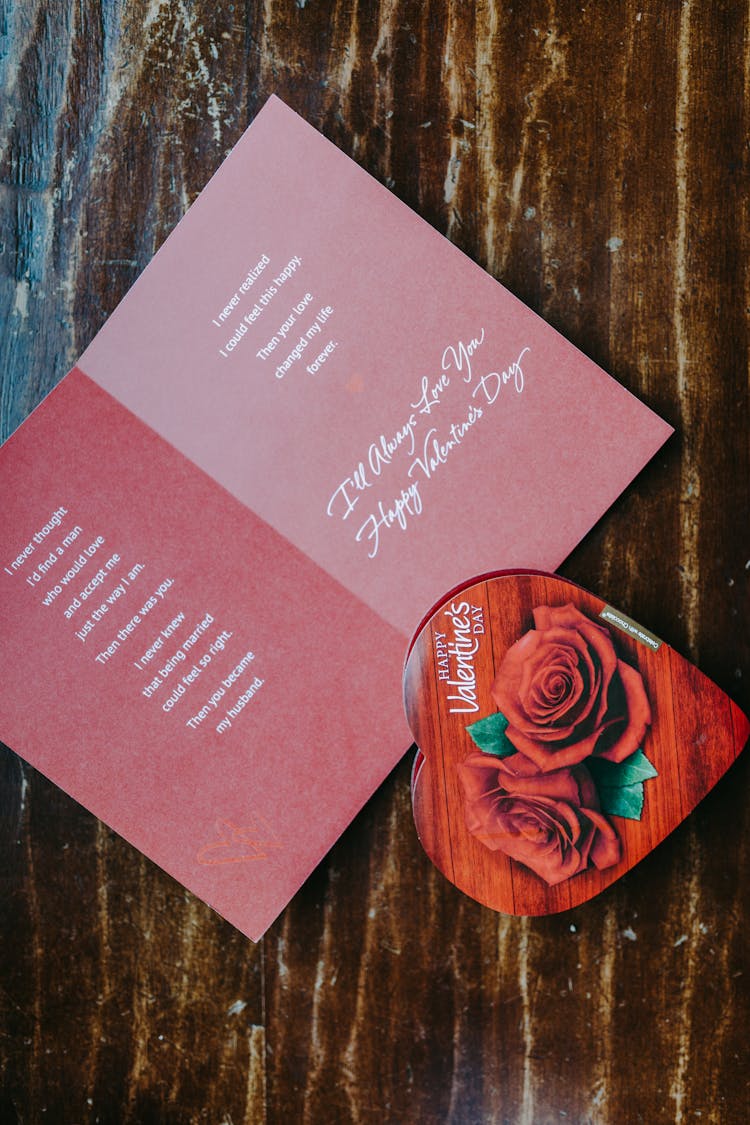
<point x="558" y="741"/>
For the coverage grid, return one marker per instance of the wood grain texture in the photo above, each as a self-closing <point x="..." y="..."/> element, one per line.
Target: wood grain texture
<point x="595" y="159"/>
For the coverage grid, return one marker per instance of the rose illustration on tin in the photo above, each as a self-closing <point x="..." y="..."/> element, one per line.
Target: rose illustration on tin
<point x="550" y="822"/>
<point x="564" y="750"/>
<point x="566" y="695"/>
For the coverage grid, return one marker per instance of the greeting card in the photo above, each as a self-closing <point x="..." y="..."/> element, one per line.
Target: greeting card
<point x="310" y="416"/>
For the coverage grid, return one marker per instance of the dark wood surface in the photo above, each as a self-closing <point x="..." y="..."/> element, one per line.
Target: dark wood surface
<point x="595" y="159"/>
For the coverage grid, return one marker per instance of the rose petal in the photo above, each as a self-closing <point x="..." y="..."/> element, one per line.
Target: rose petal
<point x="551" y="855"/>
<point x="506" y="685"/>
<point x="548" y="651"/>
<point x="550" y="757"/>
<point x="588" y="797"/>
<point x="606" y="849"/>
<point x="605" y="660"/>
<point x="478" y="774"/>
<point x="516" y="764"/>
<point x="517" y="774"/>
<point x="584" y="842"/>
<point x="566" y="617"/>
<point x="555" y="691"/>
<point x="546" y="819"/>
<point x="556" y="686"/>
<point x="555" y="647"/>
<point x="637" y="716"/>
<point x="597" y="636"/>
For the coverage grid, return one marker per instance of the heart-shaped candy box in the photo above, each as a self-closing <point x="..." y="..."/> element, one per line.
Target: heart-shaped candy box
<point x="558" y="741"/>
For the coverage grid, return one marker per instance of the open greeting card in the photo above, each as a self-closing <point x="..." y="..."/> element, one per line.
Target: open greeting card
<point x="310" y="417"/>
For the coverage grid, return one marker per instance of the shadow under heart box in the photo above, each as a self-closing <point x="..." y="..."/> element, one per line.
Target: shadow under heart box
<point x="558" y="741"/>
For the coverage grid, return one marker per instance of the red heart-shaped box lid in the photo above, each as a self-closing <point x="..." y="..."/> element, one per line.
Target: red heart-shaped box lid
<point x="558" y="741"/>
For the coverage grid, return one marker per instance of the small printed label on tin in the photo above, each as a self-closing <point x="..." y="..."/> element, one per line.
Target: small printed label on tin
<point x="632" y="628"/>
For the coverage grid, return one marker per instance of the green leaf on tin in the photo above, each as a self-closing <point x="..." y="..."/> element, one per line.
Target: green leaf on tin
<point x="622" y="800"/>
<point x="620" y="784"/>
<point x="489" y="735"/>
<point x="615" y="775"/>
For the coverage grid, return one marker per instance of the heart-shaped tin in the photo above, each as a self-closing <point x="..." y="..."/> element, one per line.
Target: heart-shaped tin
<point x="558" y="741"/>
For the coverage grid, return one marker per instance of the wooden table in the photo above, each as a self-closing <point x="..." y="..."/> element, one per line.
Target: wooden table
<point x="595" y="159"/>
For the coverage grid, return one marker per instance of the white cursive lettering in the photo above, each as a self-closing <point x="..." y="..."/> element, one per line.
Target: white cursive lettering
<point x="459" y="357"/>
<point x="409" y="503"/>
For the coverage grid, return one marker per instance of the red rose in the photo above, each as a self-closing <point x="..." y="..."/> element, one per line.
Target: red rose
<point x="550" y="822"/>
<point x="566" y="694"/>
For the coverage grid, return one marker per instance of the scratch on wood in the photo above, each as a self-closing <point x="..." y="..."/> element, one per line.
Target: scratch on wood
<point x="349" y="1053"/>
<point x="102" y="884"/>
<point x="689" y="477"/>
<point x="485" y="37"/>
<point x="555" y="71"/>
<point x="119" y="76"/>
<point x="36" y="967"/>
<point x="317" y="1038"/>
<point x="460" y="108"/>
<point x="141" y="1025"/>
<point x="23" y="793"/>
<point x="689" y="913"/>
<point x="384" y="30"/>
<point x="450" y="82"/>
<point x="457" y="1045"/>
<point x="384" y="96"/>
<point x="184" y="993"/>
<point x="343" y="61"/>
<point x="256" y="1076"/>
<point x="202" y="72"/>
<point x="603" y="1019"/>
<point x="10" y="57"/>
<point x="153" y="12"/>
<point x="21" y="300"/>
<point x="379" y="913"/>
<point x="618" y="264"/>
<point x="527" y="1115"/>
<point x="502" y="988"/>
<point x="266" y="78"/>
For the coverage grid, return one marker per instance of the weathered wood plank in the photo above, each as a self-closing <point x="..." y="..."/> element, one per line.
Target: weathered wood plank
<point x="595" y="159"/>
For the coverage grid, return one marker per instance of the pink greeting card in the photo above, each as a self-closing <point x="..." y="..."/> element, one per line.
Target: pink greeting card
<point x="310" y="417"/>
